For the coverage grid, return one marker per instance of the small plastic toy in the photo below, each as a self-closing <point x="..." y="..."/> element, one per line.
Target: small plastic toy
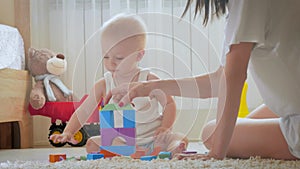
<point x="189" y="152"/>
<point x="164" y="155"/>
<point x="138" y="153"/>
<point x="94" y="156"/>
<point x="108" y="154"/>
<point x="156" y="151"/>
<point x="57" y="157"/>
<point x="148" y="158"/>
<point x="77" y="158"/>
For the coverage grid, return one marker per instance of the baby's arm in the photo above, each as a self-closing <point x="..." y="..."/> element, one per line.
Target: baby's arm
<point x="169" y="108"/>
<point x="81" y="115"/>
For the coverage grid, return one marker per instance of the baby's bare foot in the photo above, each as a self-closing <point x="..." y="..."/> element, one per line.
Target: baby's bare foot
<point x="179" y="149"/>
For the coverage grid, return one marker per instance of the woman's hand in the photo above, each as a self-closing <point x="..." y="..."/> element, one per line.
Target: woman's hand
<point x="62" y="138"/>
<point x="125" y="93"/>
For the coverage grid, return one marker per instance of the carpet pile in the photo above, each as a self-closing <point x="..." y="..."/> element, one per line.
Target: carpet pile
<point x="127" y="163"/>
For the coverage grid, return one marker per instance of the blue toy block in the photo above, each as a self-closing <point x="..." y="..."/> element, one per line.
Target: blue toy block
<point x="122" y="150"/>
<point x="129" y="118"/>
<point x="106" y="119"/>
<point x="148" y="158"/>
<point x="163" y="155"/>
<point x="94" y="156"/>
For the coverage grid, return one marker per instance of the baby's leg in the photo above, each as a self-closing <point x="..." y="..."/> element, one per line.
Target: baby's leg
<point x="93" y="144"/>
<point x="175" y="143"/>
<point x="178" y="143"/>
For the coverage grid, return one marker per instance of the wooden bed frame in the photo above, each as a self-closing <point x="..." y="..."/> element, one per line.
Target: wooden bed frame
<point x="15" y="85"/>
<point x="14" y="88"/>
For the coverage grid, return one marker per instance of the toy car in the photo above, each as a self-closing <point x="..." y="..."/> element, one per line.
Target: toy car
<point x="63" y="111"/>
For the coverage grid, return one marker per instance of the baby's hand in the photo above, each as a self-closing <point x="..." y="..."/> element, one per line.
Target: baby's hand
<point x="62" y="138"/>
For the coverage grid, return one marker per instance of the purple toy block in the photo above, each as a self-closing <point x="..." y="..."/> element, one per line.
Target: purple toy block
<point x="189" y="152"/>
<point x="108" y="134"/>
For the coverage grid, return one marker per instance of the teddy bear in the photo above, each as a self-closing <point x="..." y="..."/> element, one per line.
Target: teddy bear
<point x="45" y="67"/>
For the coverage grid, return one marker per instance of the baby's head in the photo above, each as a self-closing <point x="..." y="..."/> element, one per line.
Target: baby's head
<point x="124" y="27"/>
<point x="122" y="36"/>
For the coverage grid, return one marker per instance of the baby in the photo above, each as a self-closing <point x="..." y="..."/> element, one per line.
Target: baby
<point x="123" y="40"/>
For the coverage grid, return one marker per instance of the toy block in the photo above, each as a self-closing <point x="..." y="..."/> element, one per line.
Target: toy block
<point x="108" y="134"/>
<point x="129" y="119"/>
<point x="138" y="154"/>
<point x="148" y="158"/>
<point x="164" y="155"/>
<point x="108" y="154"/>
<point x="118" y="119"/>
<point x="106" y="119"/>
<point x="94" y="156"/>
<point x="80" y="158"/>
<point x="122" y="150"/>
<point x="156" y="151"/>
<point x="57" y="157"/>
<point x="113" y="116"/>
<point x="116" y="107"/>
<point x="189" y="152"/>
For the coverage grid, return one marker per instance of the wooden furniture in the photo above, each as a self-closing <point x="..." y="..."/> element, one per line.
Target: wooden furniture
<point x="15" y="86"/>
<point x="15" y="122"/>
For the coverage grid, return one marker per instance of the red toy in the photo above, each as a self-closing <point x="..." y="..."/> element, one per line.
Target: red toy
<point x="63" y="111"/>
<point x="57" y="157"/>
<point x="108" y="154"/>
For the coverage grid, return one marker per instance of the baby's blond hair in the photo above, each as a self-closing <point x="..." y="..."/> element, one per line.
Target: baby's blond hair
<point x="122" y="27"/>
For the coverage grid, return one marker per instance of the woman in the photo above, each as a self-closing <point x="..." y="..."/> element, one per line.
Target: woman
<point x="266" y="32"/>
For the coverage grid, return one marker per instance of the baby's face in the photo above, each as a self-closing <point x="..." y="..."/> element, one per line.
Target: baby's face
<point x="122" y="57"/>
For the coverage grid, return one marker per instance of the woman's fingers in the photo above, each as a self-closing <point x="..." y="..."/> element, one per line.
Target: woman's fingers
<point x="125" y="93"/>
<point x="122" y="95"/>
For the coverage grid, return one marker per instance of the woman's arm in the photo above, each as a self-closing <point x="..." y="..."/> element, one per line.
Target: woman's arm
<point x="235" y="74"/>
<point x="203" y="86"/>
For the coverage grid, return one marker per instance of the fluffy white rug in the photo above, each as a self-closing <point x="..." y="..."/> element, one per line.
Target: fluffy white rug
<point x="126" y="163"/>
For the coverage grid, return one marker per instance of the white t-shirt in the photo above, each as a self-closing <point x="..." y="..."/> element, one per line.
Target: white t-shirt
<point x="275" y="60"/>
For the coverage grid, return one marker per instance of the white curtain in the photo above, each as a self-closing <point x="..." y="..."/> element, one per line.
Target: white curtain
<point x="175" y="47"/>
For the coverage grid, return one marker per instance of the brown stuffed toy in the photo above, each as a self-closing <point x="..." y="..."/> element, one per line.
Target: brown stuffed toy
<point x="45" y="66"/>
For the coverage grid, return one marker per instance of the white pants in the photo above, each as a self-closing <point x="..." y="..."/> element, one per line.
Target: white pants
<point x="290" y="127"/>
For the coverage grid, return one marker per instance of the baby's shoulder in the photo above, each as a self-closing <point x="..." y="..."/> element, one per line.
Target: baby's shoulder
<point x="100" y="83"/>
<point x="152" y="76"/>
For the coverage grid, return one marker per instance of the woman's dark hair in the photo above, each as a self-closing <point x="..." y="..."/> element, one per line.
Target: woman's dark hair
<point x="218" y="5"/>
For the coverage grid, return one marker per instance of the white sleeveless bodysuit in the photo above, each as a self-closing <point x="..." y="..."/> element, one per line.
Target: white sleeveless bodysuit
<point x="148" y="118"/>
